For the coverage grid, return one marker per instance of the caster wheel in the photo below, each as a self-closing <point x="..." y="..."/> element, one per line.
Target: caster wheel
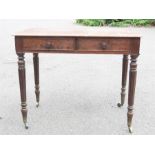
<point x="119" y="105"/>
<point x="37" y="105"/>
<point x="26" y="126"/>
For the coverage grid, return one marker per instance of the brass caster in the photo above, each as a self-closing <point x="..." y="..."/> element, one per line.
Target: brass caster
<point x="130" y="130"/>
<point x="26" y="126"/>
<point x="37" y="105"/>
<point x="119" y="105"/>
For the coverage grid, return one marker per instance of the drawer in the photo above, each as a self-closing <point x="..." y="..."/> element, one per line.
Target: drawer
<point x="46" y="44"/>
<point x="103" y="44"/>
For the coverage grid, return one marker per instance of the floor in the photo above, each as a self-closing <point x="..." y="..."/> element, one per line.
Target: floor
<point x="79" y="93"/>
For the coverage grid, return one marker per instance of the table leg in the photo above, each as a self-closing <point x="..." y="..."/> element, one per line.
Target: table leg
<point x="22" y="83"/>
<point x="132" y="85"/>
<point x="36" y="77"/>
<point x="124" y="79"/>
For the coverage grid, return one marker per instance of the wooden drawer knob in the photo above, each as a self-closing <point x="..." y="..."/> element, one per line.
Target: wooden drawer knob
<point x="48" y="45"/>
<point x="103" y="45"/>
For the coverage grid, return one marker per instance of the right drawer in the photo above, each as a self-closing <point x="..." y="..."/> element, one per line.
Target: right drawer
<point x="104" y="44"/>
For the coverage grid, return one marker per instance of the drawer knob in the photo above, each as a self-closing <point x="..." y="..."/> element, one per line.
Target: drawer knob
<point x="103" y="45"/>
<point x="48" y="45"/>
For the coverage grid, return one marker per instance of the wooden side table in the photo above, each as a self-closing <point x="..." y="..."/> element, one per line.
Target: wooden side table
<point x="91" y="41"/>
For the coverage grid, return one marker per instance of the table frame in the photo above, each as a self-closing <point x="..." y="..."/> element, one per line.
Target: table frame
<point x="132" y="73"/>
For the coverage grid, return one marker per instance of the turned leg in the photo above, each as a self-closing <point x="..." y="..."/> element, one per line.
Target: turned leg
<point x="22" y="83"/>
<point x="36" y="77"/>
<point x="132" y="85"/>
<point x="124" y="79"/>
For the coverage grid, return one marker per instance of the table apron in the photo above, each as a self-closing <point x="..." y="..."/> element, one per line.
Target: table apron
<point x="77" y="45"/>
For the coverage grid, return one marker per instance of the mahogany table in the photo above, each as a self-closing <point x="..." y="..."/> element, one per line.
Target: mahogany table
<point x="86" y="41"/>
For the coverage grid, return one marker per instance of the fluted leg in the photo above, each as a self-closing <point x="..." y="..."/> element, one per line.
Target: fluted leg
<point x="36" y="77"/>
<point x="22" y="83"/>
<point x="124" y="79"/>
<point x="132" y="85"/>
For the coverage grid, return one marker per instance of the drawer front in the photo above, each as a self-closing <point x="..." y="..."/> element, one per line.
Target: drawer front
<point x="104" y="44"/>
<point x="45" y="44"/>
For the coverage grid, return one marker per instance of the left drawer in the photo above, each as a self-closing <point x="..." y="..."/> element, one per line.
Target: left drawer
<point x="47" y="44"/>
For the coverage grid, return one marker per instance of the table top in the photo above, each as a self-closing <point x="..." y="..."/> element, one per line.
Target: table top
<point x="78" y="32"/>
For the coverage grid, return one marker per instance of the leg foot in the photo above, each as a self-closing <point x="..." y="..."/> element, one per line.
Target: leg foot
<point x="37" y="104"/>
<point x="130" y="129"/>
<point x="37" y="92"/>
